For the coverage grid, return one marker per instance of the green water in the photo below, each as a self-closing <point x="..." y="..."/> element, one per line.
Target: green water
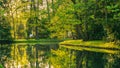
<point x="54" y="56"/>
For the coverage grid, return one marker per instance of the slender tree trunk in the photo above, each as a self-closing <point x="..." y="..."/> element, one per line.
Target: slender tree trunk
<point x="80" y="33"/>
<point x="85" y="22"/>
<point x="13" y="27"/>
<point x="37" y="17"/>
<point x="37" y="64"/>
<point x="48" y="10"/>
<point x="28" y="29"/>
<point x="35" y="8"/>
<point x="106" y="21"/>
<point x="53" y="9"/>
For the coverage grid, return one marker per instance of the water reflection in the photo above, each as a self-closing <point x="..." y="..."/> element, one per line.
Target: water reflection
<point x="53" y="56"/>
<point x="31" y="56"/>
<point x="4" y="53"/>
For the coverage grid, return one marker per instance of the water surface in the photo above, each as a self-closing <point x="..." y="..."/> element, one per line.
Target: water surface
<point x="54" y="56"/>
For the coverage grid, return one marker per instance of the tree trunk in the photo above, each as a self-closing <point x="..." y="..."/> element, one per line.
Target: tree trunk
<point x="48" y="11"/>
<point x="53" y="9"/>
<point x="37" y="64"/>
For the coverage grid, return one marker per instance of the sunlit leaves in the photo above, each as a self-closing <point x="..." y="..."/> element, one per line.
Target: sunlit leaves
<point x="19" y="55"/>
<point x="62" y="58"/>
<point x="64" y="20"/>
<point x="113" y="8"/>
<point x="2" y="11"/>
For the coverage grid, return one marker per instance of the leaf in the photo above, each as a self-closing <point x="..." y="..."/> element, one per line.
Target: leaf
<point x="92" y="16"/>
<point x="2" y="12"/>
<point x="109" y="7"/>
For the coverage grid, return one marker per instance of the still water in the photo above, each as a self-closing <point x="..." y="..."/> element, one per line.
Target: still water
<point x="54" y="56"/>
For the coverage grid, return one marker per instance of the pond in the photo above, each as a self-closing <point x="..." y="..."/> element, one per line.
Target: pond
<point x="54" y="56"/>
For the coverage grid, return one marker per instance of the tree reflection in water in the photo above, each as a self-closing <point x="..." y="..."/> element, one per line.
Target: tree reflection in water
<point x="52" y="56"/>
<point x="4" y="54"/>
<point x="86" y="59"/>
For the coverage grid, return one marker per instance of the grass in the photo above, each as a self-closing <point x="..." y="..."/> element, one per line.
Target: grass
<point x="95" y="43"/>
<point x="93" y="49"/>
<point x="35" y="41"/>
<point x="95" y="46"/>
<point x="39" y="41"/>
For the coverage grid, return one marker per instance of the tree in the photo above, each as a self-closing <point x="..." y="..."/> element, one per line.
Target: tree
<point x="5" y="28"/>
<point x="101" y="13"/>
<point x="63" y="21"/>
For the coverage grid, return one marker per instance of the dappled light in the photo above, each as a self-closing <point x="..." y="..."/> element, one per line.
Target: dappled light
<point x="59" y="33"/>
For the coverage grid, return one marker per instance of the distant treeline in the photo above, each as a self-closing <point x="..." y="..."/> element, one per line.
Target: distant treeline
<point x="75" y="19"/>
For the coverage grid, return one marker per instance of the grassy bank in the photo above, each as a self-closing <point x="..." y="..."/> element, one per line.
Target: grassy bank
<point x="95" y="46"/>
<point x="39" y="41"/>
<point x="35" y="41"/>
<point x="31" y="41"/>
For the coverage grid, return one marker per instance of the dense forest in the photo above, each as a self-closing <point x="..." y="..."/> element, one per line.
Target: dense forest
<point x="75" y="19"/>
<point x="93" y="26"/>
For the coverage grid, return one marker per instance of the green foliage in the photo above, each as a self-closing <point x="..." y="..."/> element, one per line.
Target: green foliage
<point x="78" y="19"/>
<point x="42" y="29"/>
<point x="63" y="21"/>
<point x="4" y="29"/>
<point x="62" y="59"/>
<point x="101" y="20"/>
<point x="1" y="66"/>
<point x="20" y="31"/>
<point x="4" y="54"/>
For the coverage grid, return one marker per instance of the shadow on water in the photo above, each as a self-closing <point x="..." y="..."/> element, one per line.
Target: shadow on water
<point x="97" y="60"/>
<point x="53" y="56"/>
